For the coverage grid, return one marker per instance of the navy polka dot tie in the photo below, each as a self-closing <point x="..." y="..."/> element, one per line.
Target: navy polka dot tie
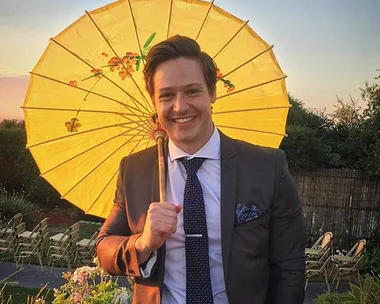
<point x="198" y="281"/>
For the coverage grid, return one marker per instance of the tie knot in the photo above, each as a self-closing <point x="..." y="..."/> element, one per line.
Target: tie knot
<point x="192" y="165"/>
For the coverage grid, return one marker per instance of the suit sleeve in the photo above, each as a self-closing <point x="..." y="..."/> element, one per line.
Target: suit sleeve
<point x="287" y="240"/>
<point x="115" y="244"/>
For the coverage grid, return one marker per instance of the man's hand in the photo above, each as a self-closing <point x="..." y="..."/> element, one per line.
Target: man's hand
<point x="161" y="223"/>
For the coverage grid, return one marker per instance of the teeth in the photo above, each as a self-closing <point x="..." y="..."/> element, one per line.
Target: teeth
<point x="183" y="120"/>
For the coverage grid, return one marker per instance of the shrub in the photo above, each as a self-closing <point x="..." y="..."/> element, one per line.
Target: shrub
<point x="366" y="293"/>
<point x="329" y="298"/>
<point x="13" y="203"/>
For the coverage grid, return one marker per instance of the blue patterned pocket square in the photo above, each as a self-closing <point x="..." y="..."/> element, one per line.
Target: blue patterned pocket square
<point x="245" y="214"/>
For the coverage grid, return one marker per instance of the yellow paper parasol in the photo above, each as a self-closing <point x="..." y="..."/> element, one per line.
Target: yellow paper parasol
<point x="86" y="106"/>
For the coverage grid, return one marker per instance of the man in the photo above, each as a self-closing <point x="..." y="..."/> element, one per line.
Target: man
<point x="231" y="230"/>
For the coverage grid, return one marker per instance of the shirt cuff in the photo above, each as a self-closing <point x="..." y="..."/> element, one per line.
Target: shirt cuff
<point x="146" y="269"/>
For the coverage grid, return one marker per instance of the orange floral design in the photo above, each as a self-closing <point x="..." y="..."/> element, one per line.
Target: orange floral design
<point x="227" y="84"/>
<point x="73" y="125"/>
<point x="125" y="65"/>
<point x="126" y="72"/>
<point x="219" y="75"/>
<point x="73" y="83"/>
<point x="97" y="73"/>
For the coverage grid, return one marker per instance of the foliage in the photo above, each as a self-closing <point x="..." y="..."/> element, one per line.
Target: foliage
<point x="372" y="261"/>
<point x="309" y="144"/>
<point x="347" y="113"/>
<point x="13" y="203"/>
<point x="329" y="298"/>
<point x="91" y="285"/>
<point x="18" y="295"/>
<point x="366" y="293"/>
<point x="18" y="171"/>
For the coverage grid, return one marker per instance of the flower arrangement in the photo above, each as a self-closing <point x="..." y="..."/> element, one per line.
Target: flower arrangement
<point x="91" y="285"/>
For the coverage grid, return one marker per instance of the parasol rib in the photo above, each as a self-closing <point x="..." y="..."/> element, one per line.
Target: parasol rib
<point x="252" y="130"/>
<point x="170" y="18"/>
<point x="107" y="184"/>
<point x="135" y="28"/>
<point x="250" y="110"/>
<point x="125" y="115"/>
<point x="98" y="165"/>
<point x="248" y="61"/>
<point x="232" y="38"/>
<point x="94" y="93"/>
<point x="102" y="191"/>
<point x="79" y="133"/>
<point x="122" y="62"/>
<point x="92" y="67"/>
<point x="204" y="20"/>
<point x="90" y="149"/>
<point x="252" y="87"/>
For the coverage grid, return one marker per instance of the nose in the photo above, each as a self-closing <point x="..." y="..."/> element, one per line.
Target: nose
<point x="180" y="104"/>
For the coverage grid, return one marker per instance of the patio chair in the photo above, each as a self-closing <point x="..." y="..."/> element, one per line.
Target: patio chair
<point x="86" y="250"/>
<point x="9" y="244"/>
<point x="349" y="264"/>
<point x="71" y="232"/>
<point x="319" y="269"/>
<point x="62" y="246"/>
<point x="33" y="247"/>
<point x="356" y="251"/>
<point x="318" y="249"/>
<point x="10" y="227"/>
<point x="36" y="232"/>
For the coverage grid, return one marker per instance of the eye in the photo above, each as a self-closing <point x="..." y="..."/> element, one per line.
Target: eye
<point x="192" y="91"/>
<point x="166" y="96"/>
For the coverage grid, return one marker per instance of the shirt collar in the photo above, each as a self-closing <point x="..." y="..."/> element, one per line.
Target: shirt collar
<point x="210" y="150"/>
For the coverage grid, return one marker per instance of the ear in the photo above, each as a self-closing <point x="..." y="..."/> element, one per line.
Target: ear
<point x="153" y="103"/>
<point x="213" y="96"/>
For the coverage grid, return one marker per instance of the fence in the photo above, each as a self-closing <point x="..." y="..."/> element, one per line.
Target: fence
<point x="345" y="202"/>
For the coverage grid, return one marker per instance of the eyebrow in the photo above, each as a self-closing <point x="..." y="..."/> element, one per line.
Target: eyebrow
<point x="184" y="87"/>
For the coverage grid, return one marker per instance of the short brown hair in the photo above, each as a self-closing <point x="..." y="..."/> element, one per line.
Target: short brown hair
<point x="173" y="48"/>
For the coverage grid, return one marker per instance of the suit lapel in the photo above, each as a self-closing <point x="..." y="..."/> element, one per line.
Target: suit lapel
<point x="229" y="174"/>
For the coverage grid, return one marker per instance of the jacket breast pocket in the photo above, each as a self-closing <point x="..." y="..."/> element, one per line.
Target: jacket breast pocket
<point x="253" y="223"/>
<point x="251" y="239"/>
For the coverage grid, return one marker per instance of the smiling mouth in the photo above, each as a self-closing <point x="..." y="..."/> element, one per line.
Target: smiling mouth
<point x="183" y="120"/>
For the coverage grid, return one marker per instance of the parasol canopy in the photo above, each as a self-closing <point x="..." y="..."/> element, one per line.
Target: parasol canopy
<point x="86" y="106"/>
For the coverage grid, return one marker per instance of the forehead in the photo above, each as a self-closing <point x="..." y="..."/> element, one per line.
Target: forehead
<point x="177" y="73"/>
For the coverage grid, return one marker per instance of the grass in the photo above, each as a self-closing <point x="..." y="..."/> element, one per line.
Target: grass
<point x="20" y="294"/>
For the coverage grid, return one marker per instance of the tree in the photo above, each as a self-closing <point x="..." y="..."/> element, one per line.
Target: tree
<point x="309" y="145"/>
<point x="347" y="113"/>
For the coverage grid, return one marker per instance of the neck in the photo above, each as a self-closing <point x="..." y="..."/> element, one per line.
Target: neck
<point x="193" y="147"/>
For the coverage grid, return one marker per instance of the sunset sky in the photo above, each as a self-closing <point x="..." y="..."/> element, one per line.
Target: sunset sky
<point x="326" y="47"/>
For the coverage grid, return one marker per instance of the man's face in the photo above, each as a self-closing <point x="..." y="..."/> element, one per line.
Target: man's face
<point x="183" y="103"/>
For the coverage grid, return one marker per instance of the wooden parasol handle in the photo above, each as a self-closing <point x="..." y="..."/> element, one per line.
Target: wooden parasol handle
<point x="160" y="136"/>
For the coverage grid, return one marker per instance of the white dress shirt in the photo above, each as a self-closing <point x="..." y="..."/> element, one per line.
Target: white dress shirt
<point x="174" y="291"/>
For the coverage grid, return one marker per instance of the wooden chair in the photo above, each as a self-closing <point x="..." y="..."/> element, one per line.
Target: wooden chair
<point x="10" y="243"/>
<point x="349" y="264"/>
<point x="63" y="246"/>
<point x="319" y="269"/>
<point x="36" y="232"/>
<point x="323" y="243"/>
<point x="86" y="250"/>
<point x="10" y="227"/>
<point x="33" y="247"/>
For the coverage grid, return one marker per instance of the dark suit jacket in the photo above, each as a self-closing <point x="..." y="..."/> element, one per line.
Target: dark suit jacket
<point x="263" y="260"/>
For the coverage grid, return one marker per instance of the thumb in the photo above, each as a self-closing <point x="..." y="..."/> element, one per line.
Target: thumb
<point x="178" y="208"/>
